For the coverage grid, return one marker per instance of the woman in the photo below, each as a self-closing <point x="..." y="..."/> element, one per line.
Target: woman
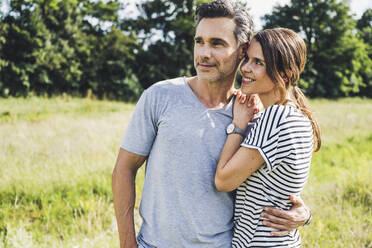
<point x="273" y="160"/>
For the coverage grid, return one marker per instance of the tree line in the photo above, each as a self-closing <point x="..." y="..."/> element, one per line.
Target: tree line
<point x="75" y="46"/>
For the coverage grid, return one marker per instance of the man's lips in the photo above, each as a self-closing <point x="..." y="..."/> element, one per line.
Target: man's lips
<point x="206" y="66"/>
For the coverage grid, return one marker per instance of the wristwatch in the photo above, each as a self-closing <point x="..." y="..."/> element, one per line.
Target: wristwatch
<point x="231" y="128"/>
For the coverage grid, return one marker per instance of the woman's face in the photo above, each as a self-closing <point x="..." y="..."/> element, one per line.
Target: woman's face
<point x="253" y="69"/>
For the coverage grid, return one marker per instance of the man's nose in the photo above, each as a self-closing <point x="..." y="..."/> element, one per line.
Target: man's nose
<point x="205" y="51"/>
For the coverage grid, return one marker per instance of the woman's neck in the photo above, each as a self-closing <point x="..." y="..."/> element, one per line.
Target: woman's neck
<point x="269" y="98"/>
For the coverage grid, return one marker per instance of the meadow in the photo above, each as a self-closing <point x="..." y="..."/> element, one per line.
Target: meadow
<point x="57" y="156"/>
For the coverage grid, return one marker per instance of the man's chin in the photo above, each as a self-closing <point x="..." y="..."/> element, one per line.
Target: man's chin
<point x="207" y="77"/>
<point x="209" y="80"/>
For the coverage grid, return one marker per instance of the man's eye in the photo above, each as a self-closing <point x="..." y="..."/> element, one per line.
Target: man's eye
<point x="198" y="41"/>
<point x="217" y="43"/>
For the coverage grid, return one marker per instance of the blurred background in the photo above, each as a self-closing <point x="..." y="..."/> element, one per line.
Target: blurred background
<point x="114" y="49"/>
<point x="71" y="71"/>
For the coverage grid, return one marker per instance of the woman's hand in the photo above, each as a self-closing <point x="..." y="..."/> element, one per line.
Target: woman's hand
<point x="245" y="107"/>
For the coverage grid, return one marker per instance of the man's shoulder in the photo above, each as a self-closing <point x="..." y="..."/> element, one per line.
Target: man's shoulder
<point x="166" y="91"/>
<point x="173" y="83"/>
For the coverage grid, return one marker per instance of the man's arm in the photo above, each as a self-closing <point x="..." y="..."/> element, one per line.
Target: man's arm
<point x="123" y="187"/>
<point x="286" y="221"/>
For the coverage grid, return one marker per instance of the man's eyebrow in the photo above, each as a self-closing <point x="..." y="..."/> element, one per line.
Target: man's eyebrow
<point x="213" y="39"/>
<point x="218" y="40"/>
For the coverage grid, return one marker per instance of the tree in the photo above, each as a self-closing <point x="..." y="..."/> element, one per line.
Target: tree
<point x="55" y="46"/>
<point x="364" y="26"/>
<point x="109" y="66"/>
<point x="336" y="56"/>
<point x="18" y="46"/>
<point x="3" y="63"/>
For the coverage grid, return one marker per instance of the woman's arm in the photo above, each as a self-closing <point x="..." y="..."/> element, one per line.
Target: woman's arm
<point x="237" y="163"/>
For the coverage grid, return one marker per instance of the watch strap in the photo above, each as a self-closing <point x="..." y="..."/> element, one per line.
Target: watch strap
<point x="239" y="131"/>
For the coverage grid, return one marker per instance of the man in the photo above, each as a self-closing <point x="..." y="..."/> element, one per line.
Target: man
<point x="179" y="126"/>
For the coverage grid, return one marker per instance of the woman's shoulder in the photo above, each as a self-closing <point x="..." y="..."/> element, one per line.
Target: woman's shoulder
<point x="280" y="108"/>
<point x="275" y="111"/>
<point x="287" y="113"/>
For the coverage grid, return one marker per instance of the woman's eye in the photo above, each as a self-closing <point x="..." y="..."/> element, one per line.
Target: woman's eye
<point x="259" y="62"/>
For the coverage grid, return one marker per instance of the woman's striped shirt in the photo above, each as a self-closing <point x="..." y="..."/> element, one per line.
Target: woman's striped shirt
<point x="284" y="138"/>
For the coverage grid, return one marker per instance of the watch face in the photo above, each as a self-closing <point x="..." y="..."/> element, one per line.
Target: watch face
<point x="230" y="128"/>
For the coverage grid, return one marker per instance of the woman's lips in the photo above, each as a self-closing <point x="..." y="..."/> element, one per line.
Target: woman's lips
<point x="248" y="81"/>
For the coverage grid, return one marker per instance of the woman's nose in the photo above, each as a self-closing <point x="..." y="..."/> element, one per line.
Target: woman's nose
<point x="246" y="67"/>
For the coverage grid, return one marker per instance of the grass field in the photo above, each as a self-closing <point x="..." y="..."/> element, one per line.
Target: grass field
<point x="57" y="155"/>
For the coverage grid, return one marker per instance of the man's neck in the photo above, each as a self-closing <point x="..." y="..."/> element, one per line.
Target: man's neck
<point x="213" y="95"/>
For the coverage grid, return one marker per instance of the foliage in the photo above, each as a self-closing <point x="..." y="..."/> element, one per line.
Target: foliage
<point x="364" y="26"/>
<point x="52" y="47"/>
<point x="48" y="47"/>
<point x="337" y="57"/>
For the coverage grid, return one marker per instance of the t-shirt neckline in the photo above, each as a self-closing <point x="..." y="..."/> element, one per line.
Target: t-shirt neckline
<point x="191" y="92"/>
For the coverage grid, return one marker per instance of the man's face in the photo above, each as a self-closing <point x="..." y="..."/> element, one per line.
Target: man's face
<point x="216" y="50"/>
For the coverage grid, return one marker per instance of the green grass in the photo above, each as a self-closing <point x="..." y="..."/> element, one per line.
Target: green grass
<point x="56" y="160"/>
<point x="339" y="190"/>
<point x="57" y="155"/>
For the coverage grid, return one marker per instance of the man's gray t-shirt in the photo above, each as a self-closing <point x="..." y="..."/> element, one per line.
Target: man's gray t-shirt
<point x="183" y="139"/>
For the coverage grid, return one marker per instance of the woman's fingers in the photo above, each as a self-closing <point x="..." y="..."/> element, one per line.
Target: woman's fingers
<point x="251" y="101"/>
<point x="243" y="98"/>
<point x="240" y="96"/>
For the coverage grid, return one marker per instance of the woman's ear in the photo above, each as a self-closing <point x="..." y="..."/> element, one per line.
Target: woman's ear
<point x="284" y="77"/>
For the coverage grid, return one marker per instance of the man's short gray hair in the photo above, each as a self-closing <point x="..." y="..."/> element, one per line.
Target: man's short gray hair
<point x="224" y="8"/>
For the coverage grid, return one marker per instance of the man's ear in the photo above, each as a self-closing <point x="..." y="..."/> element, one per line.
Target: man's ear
<point x="242" y="50"/>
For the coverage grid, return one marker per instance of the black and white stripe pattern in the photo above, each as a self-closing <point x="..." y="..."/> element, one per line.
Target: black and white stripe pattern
<point x="284" y="138"/>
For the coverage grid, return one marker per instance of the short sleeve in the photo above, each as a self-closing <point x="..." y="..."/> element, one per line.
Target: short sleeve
<point x="142" y="128"/>
<point x="267" y="137"/>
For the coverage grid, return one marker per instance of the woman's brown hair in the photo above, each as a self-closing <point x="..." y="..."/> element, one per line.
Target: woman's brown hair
<point x="285" y="57"/>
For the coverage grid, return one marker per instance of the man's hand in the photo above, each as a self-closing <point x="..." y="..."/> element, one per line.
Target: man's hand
<point x="123" y="187"/>
<point x="286" y="221"/>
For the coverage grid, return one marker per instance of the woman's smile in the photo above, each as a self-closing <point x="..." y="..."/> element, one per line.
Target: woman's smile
<point x="247" y="80"/>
